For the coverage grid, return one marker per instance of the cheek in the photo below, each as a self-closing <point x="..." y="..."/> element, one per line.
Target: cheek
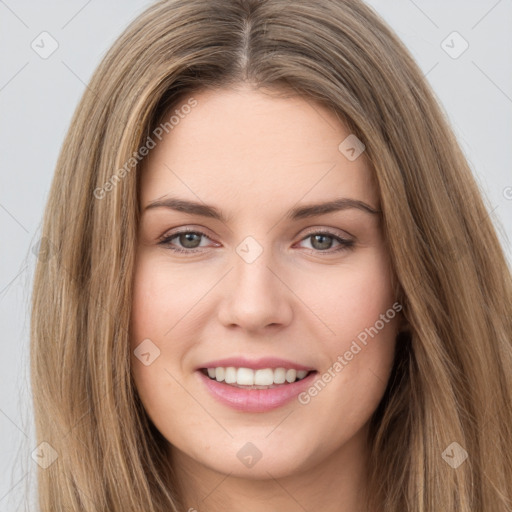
<point x="354" y="298"/>
<point x="361" y="311"/>
<point x="160" y="299"/>
<point x="145" y="303"/>
<point x="148" y="324"/>
<point x="162" y="314"/>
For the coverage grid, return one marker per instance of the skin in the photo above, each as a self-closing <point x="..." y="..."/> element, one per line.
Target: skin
<point x="254" y="156"/>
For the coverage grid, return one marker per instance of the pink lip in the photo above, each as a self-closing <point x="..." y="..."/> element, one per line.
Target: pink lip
<point x="255" y="400"/>
<point x="265" y="362"/>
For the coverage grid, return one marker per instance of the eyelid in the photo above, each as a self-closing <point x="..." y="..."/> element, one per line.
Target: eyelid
<point x="312" y="230"/>
<point x="192" y="228"/>
<point x="344" y="242"/>
<point x="332" y="231"/>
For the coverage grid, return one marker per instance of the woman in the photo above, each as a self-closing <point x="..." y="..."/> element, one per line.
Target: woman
<point x="196" y="346"/>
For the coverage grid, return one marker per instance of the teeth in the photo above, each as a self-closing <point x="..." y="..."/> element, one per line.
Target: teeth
<point x="245" y="377"/>
<point x="291" y="375"/>
<point x="249" y="377"/>
<point x="279" y="376"/>
<point x="264" y="377"/>
<point x="230" y="376"/>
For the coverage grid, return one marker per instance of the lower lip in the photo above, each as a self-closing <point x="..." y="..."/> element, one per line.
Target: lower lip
<point x="255" y="400"/>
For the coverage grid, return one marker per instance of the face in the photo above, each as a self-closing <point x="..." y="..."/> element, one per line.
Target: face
<point x="262" y="330"/>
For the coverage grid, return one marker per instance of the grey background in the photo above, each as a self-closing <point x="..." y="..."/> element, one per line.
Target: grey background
<point x="38" y="97"/>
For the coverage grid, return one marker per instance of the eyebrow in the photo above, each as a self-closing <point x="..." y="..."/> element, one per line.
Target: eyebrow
<point x="300" y="212"/>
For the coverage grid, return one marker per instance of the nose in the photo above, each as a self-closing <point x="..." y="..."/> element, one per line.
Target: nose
<point x="256" y="295"/>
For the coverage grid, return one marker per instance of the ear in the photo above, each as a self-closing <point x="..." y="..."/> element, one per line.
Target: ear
<point x="403" y="323"/>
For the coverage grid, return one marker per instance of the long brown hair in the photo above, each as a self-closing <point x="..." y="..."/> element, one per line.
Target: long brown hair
<point x="452" y="378"/>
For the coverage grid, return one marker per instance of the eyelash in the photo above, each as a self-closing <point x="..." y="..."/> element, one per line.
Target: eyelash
<point x="345" y="244"/>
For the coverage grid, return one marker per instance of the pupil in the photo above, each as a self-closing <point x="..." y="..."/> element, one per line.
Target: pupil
<point x="325" y="245"/>
<point x="188" y="237"/>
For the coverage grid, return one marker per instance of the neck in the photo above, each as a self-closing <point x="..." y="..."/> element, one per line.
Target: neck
<point x="336" y="484"/>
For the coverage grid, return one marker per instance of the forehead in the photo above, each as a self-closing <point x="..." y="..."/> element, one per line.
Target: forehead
<point x="250" y="149"/>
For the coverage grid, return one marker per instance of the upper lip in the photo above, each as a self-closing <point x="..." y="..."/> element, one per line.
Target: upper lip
<point x="255" y="364"/>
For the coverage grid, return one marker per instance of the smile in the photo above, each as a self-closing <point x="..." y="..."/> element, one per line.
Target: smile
<point x="263" y="378"/>
<point x="252" y="390"/>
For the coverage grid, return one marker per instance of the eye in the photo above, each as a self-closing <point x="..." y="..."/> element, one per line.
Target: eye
<point x="322" y="241"/>
<point x="190" y="241"/>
